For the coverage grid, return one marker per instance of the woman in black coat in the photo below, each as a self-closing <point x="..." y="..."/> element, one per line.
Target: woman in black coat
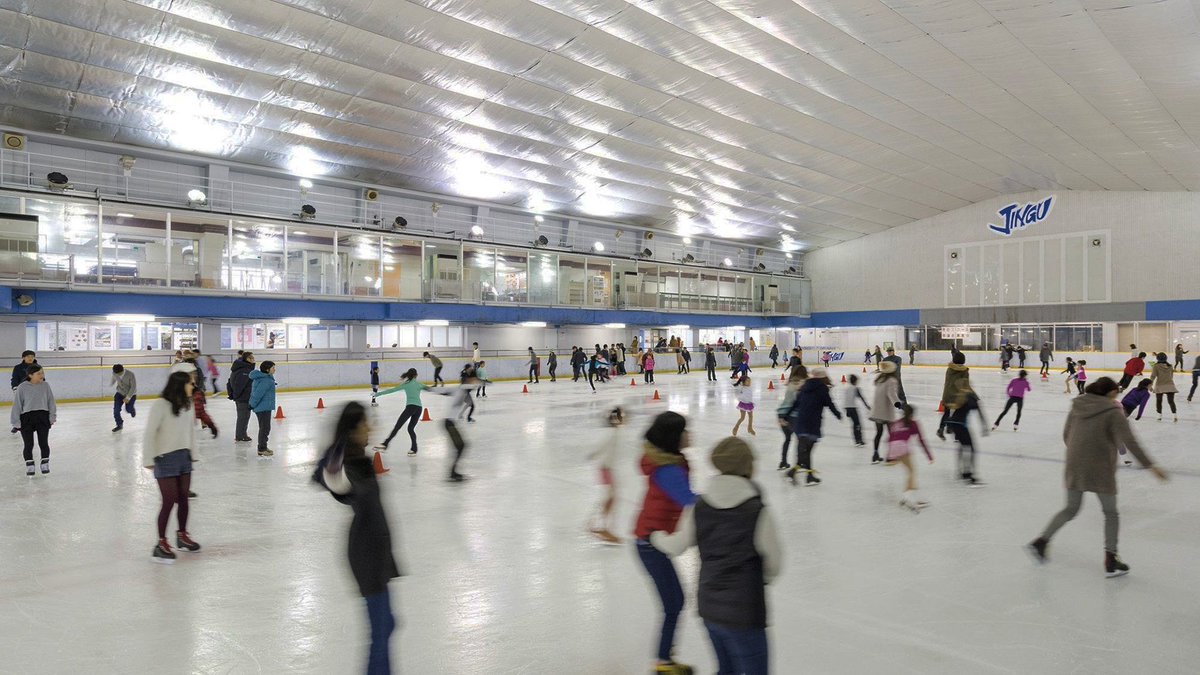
<point x="348" y="473"/>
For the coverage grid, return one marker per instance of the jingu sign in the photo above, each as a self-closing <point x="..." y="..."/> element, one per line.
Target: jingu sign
<point x="1019" y="216"/>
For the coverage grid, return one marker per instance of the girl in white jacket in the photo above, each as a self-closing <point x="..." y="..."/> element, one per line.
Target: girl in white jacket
<point x="745" y="406"/>
<point x="606" y="455"/>
<point x="887" y="396"/>
<point x="167" y="449"/>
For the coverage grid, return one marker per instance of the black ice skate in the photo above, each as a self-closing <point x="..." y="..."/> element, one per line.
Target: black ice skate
<point x="1037" y="549"/>
<point x="1113" y="567"/>
<point x="163" y="553"/>
<point x="185" y="543"/>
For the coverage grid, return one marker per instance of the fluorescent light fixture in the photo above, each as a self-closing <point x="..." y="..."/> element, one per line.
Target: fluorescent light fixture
<point x="680" y="327"/>
<point x="130" y="318"/>
<point x="598" y="247"/>
<point x="537" y="201"/>
<point x="197" y="196"/>
<point x="303" y="162"/>
<point x="124" y="215"/>
<point x="305" y="184"/>
<point x="539" y="219"/>
<point x="735" y="328"/>
<point x="728" y="262"/>
<point x="534" y="324"/>
<point x="614" y="325"/>
<point x="788" y="255"/>
<point x="299" y="232"/>
<point x="433" y="322"/>
<point x="687" y="240"/>
<point x="301" y="320"/>
<point x="477" y="231"/>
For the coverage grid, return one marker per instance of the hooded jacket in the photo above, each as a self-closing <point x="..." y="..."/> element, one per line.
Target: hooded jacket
<point x="238" y="386"/>
<point x="739" y="551"/>
<point x="667" y="492"/>
<point x="1134" y="366"/>
<point x="887" y="395"/>
<point x="1164" y="378"/>
<point x="1045" y="354"/>
<point x="954" y="373"/>
<point x="1095" y="430"/>
<point x="811" y="401"/>
<point x="262" y="392"/>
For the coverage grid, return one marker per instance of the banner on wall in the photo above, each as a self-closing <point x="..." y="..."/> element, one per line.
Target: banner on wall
<point x="1017" y="216"/>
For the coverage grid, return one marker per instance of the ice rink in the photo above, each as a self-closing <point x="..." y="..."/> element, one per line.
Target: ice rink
<point x="502" y="576"/>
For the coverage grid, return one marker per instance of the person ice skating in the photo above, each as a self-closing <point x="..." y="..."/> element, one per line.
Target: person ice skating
<point x="745" y="406"/>
<point x="1016" y="390"/>
<point x="850" y="398"/>
<point x="805" y="419"/>
<point x="1195" y="378"/>
<point x="262" y="403"/>
<point x="1134" y="367"/>
<point x="1179" y="352"/>
<point x="606" y="456"/>
<point x="1045" y="355"/>
<point x="878" y="354"/>
<point x="740" y="553"/>
<point x="437" y="368"/>
<point x="198" y="409"/>
<point x="957" y="370"/>
<point x="964" y="402"/>
<point x="552" y="366"/>
<point x="687" y="361"/>
<point x="534" y="364"/>
<point x="774" y="356"/>
<point x="475" y="354"/>
<point x="1163" y="376"/>
<point x="239" y="388"/>
<point x="20" y="371"/>
<point x="1005" y="358"/>
<point x="481" y="375"/>
<point x="648" y="367"/>
<point x="167" y="449"/>
<point x="462" y="400"/>
<point x="710" y="364"/>
<point x="1081" y="376"/>
<point x="347" y="472"/>
<point x="893" y="358"/>
<point x="1094" y="432"/>
<point x="125" y="395"/>
<point x="1137" y="398"/>
<point x="678" y="361"/>
<point x="867" y="357"/>
<point x="900" y="433"/>
<point x="33" y="412"/>
<point x="795" y="380"/>
<point x="668" y="492"/>
<point x="887" y="401"/>
<point x="374" y="385"/>
<point x="1133" y="350"/>
<point x="213" y="373"/>
<point x="1020" y="356"/>
<point x="411" y="414"/>
<point x="912" y="354"/>
<point x="578" y="360"/>
<point x="1069" y="371"/>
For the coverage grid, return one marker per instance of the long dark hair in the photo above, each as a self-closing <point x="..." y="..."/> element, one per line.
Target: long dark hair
<point x="410" y="374"/>
<point x="353" y="414"/>
<point x="666" y="432"/>
<point x="1102" y="387"/>
<point x="175" y="392"/>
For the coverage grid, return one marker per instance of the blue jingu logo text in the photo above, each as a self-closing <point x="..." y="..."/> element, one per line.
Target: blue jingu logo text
<point x="1017" y="217"/>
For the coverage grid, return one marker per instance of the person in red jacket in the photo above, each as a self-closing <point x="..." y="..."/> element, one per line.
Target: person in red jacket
<point x="1133" y="368"/>
<point x="668" y="491"/>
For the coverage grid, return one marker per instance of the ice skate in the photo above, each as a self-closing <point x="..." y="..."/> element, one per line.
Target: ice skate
<point x="791" y="473"/>
<point x="29" y="468"/>
<point x="914" y="505"/>
<point x="1113" y="567"/>
<point x="184" y="542"/>
<point x="265" y="453"/>
<point x="811" y="480"/>
<point x="45" y="466"/>
<point x="672" y="669"/>
<point x="1037" y="549"/>
<point x="783" y="465"/>
<point x="163" y="553"/>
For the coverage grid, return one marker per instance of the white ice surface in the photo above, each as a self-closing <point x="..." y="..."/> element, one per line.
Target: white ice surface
<point x="502" y="577"/>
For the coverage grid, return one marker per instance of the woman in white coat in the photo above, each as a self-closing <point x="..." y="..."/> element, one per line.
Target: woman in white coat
<point x="886" y="398"/>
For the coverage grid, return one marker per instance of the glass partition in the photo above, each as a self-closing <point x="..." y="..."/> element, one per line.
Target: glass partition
<point x="543" y="278"/>
<point x="511" y="276"/>
<point x="648" y="275"/>
<point x="135" y="248"/>
<point x="359" y="265"/>
<point x="479" y="272"/>
<point x="19" y="249"/>
<point x="311" y="261"/>
<point x="442" y="271"/>
<point x="571" y="280"/>
<point x="627" y="285"/>
<point x="199" y="251"/>
<point x="599" y="276"/>
<point x="401" y="268"/>
<point x="257" y="262"/>
<point x="68" y="232"/>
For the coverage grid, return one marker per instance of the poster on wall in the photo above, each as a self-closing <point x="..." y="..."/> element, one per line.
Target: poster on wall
<point x="102" y="337"/>
<point x="972" y="339"/>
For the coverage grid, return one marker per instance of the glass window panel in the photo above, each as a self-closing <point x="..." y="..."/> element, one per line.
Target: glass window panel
<point x="442" y="272"/>
<point x="954" y="280"/>
<point x="374" y="337"/>
<point x="454" y="336"/>
<point x="543" y="278"/>
<point x="401" y="268"/>
<point x="511" y="276"/>
<point x="989" y="274"/>
<point x="406" y="336"/>
<point x="391" y="336"/>
<point x="358" y="265"/>
<point x="67" y="234"/>
<point x="1074" y="247"/>
<point x="1052" y="270"/>
<point x="310" y="262"/>
<point x="479" y="273"/>
<point x="599" y="278"/>
<point x="572" y="285"/>
<point x="648" y="276"/>
<point x="19" y="250"/>
<point x="318" y="337"/>
<point x="199" y="251"/>
<point x="972" y="274"/>
<point x="1010" y="262"/>
<point x="1097" y="268"/>
<point x="297" y="336"/>
<point x="423" y="336"/>
<point x="257" y="263"/>
<point x="134" y="247"/>
<point x="627" y="289"/>
<point x="1031" y="272"/>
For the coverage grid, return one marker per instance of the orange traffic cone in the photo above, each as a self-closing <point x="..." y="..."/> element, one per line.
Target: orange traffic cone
<point x="279" y="413"/>
<point x="782" y="378"/>
<point x="941" y="407"/>
<point x="425" y="417"/>
<point x="1045" y="376"/>
<point x="524" y="389"/>
<point x="770" y="384"/>
<point x="633" y="381"/>
<point x="864" y="370"/>
<point x="656" y="398"/>
<point x="843" y="379"/>
<point x="379" y="468"/>
<point x="320" y="404"/>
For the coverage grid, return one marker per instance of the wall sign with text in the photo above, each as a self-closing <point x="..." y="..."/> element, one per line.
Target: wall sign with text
<point x="1018" y="216"/>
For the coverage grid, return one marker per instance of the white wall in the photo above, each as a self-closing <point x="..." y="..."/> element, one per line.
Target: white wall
<point x="1155" y="236"/>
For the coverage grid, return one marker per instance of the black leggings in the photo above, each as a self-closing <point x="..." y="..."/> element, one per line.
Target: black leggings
<point x="591" y="378"/>
<point x="553" y="369"/>
<point x="36" y="422"/>
<point x="411" y="414"/>
<point x="1080" y="384"/>
<point x="1011" y="400"/>
<point x="855" y="425"/>
<point x="174" y="492"/>
<point x="787" y="440"/>
<point x="1045" y="370"/>
<point x="712" y="373"/>
<point x="804" y="448"/>
<point x="1157" y="405"/>
<point x="966" y="449"/>
<point x="649" y="376"/>
<point x="1195" y="379"/>
<point x="879" y="427"/>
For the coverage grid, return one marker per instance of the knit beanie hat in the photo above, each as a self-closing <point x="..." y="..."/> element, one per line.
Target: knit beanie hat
<point x="733" y="457"/>
<point x="959" y="358"/>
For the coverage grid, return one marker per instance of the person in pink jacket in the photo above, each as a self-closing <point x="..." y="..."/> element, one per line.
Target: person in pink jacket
<point x="648" y="366"/>
<point x="1017" y="388"/>
<point x="899" y="433"/>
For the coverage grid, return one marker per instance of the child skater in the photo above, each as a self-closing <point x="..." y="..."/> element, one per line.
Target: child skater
<point x="1070" y="372"/>
<point x="887" y="399"/>
<point x="125" y="396"/>
<point x="795" y="380"/>
<point x="462" y="396"/>
<point x="850" y="398"/>
<point x="826" y="357"/>
<point x="1081" y="376"/>
<point x="745" y="406"/>
<point x="1094" y="432"/>
<point x="1137" y="398"/>
<point x="481" y="375"/>
<point x="739" y="555"/>
<point x="460" y="446"/>
<point x="668" y="492"/>
<point x="805" y="419"/>
<point x="963" y="404"/>
<point x="605" y="455"/>
<point x="34" y="411"/>
<point x="899" y="434"/>
<point x="374" y="385"/>
<point x="1017" y="388"/>
<point x="347" y="472"/>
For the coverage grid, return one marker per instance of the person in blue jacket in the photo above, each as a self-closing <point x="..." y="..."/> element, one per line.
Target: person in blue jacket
<point x="262" y="402"/>
<point x="805" y="420"/>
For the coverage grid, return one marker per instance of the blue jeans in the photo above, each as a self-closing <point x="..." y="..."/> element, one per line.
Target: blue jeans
<point x="379" y="611"/>
<point x="662" y="572"/>
<point x="118" y="402"/>
<point x="740" y="651"/>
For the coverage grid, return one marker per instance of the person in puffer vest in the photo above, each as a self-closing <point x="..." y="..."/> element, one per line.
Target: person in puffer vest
<point x="739" y="555"/>
<point x="667" y="493"/>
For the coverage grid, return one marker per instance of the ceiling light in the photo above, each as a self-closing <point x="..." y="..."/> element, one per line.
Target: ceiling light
<point x="534" y="324"/>
<point x="125" y="215"/>
<point x="687" y="240"/>
<point x="728" y="262"/>
<point x="788" y="256"/>
<point x="130" y="318"/>
<point x="598" y="247"/>
<point x="614" y="325"/>
<point x="537" y="200"/>
<point x="299" y="232"/>
<point x="196" y="197"/>
<point x="302" y="161"/>
<point x="305" y="184"/>
<point x="681" y="327"/>
<point x="477" y="230"/>
<point x="301" y="320"/>
<point x="735" y="328"/>
<point x="433" y="322"/>
<point x="539" y="219"/>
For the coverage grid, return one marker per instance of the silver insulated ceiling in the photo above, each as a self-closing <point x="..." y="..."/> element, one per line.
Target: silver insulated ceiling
<point x="822" y="120"/>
